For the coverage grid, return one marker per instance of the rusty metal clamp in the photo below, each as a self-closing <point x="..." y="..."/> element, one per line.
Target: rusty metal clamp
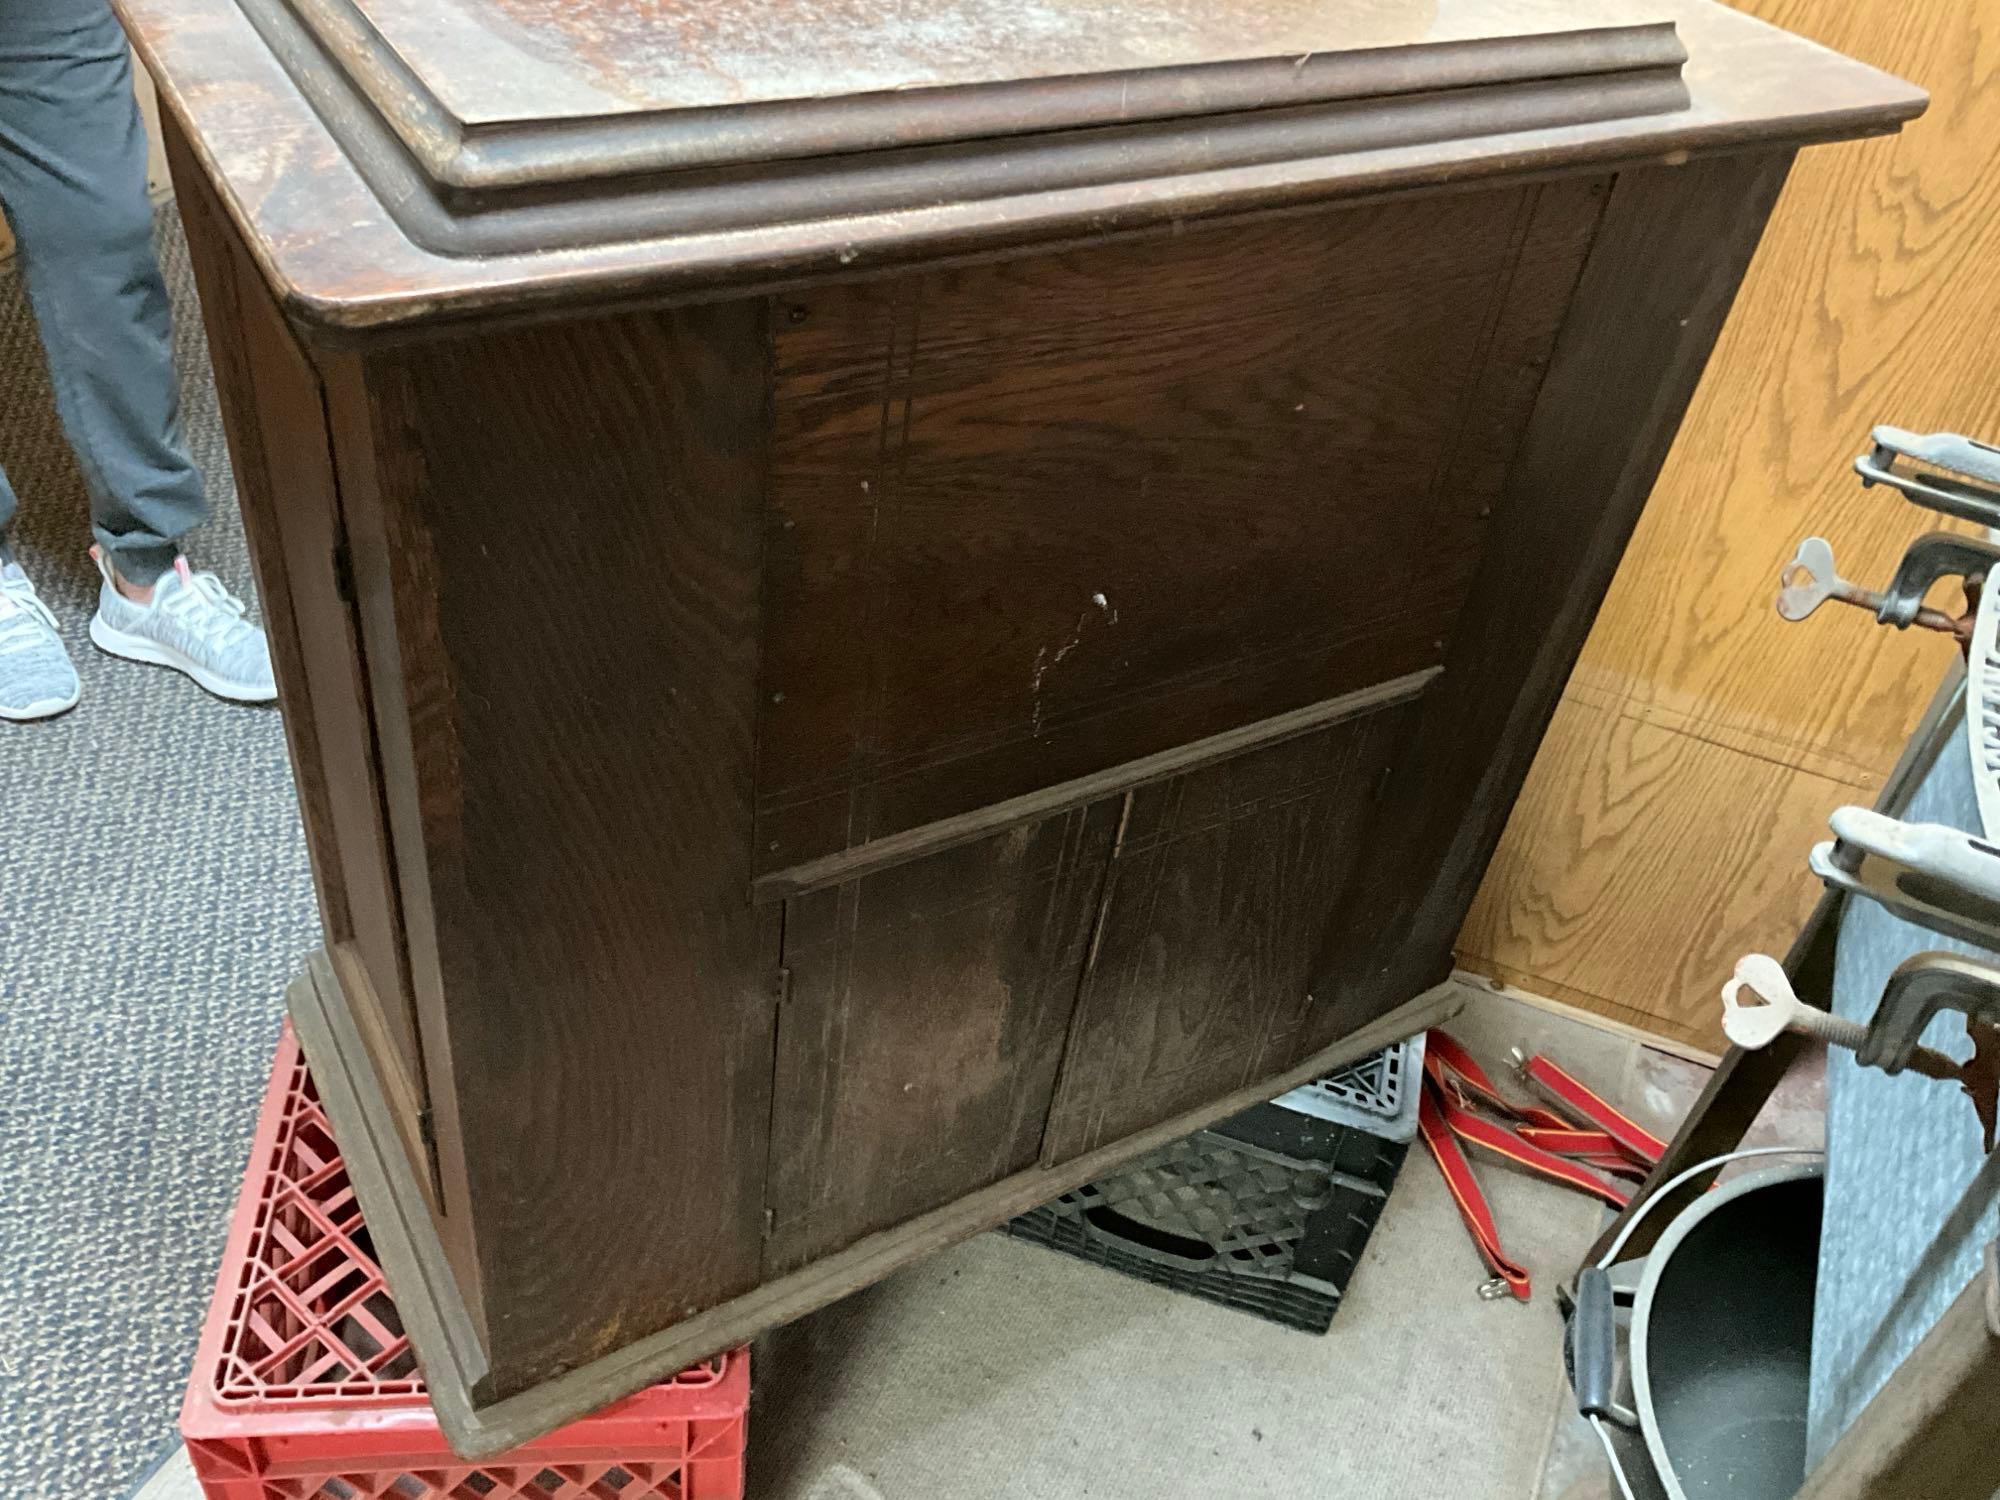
<point x="1758" y="1004"/>
<point x="1921" y="987"/>
<point x="1811" y="578"/>
<point x="1935" y="555"/>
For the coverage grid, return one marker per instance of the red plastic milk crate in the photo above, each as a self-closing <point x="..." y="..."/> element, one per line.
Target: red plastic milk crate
<point x="304" y="1387"/>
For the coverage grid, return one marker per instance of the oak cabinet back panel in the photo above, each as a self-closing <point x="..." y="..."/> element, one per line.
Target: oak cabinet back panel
<point x="1215" y="904"/>
<point x="1130" y="652"/>
<point x="925" y="1014"/>
<point x="852" y="669"/>
<point x="1032" y="520"/>
<point x="1009" y="526"/>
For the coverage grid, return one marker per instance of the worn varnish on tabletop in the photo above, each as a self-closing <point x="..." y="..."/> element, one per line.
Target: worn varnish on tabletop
<point x="877" y="613"/>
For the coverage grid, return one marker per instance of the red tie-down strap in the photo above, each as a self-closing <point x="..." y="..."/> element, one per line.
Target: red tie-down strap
<point x="1641" y="1147"/>
<point x="1548" y="1144"/>
<point x="1593" y="1148"/>
<point x="1465" y="1191"/>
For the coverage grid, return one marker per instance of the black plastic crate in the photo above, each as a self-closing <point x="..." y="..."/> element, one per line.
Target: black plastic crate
<point x="1268" y="1212"/>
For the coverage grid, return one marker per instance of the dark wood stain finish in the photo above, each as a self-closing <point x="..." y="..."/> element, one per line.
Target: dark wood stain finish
<point x="438" y="1325"/>
<point x="961" y="660"/>
<point x="369" y="208"/>
<point x="582" y="582"/>
<point x="279" y="444"/>
<point x="1669" y="255"/>
<point x="1034" y="519"/>
<point x="924" y="1021"/>
<point x="1213" y="907"/>
<point x="228" y="304"/>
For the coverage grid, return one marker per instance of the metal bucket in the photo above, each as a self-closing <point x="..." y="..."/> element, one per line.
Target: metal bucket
<point x="1721" y="1338"/>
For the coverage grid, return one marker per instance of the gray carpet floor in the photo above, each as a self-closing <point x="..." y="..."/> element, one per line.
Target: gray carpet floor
<point x="154" y="898"/>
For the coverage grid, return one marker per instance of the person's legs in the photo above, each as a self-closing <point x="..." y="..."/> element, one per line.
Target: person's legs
<point x="73" y="185"/>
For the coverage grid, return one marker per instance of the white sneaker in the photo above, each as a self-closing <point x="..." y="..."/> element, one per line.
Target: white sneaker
<point x="37" y="678"/>
<point x="193" y="625"/>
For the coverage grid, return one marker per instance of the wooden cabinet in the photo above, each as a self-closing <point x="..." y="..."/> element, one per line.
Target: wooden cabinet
<point x="873" y="622"/>
<point x="923" y="1027"/>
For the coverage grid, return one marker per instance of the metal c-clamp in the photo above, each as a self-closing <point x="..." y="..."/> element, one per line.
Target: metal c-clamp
<point x="1960" y="477"/>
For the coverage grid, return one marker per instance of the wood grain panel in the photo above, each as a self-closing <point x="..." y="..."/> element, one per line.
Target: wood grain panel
<point x="923" y="1025"/>
<point x="1872" y="299"/>
<point x="1665" y="266"/>
<point x="1213" y="913"/>
<point x="293" y="418"/>
<point x="279" y="451"/>
<point x="578" y="694"/>
<point x="1726" y="832"/>
<point x="1034" y="519"/>
<point x="224" y="286"/>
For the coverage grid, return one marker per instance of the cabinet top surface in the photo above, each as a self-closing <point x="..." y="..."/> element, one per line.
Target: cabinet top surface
<point x="495" y="61"/>
<point x="395" y="161"/>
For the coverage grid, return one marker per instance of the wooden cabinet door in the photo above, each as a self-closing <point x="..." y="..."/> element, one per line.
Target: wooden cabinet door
<point x="1213" y="911"/>
<point x="1150" y="950"/>
<point x="922" y="1028"/>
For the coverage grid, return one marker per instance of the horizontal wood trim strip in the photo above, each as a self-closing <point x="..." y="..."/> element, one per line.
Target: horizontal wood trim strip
<point x="914" y="843"/>
<point x="440" y="1330"/>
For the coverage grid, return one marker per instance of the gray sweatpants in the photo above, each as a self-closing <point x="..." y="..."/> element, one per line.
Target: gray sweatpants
<point x="73" y="186"/>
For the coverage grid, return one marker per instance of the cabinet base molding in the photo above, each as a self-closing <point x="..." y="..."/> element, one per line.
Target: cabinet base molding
<point x="440" y="1328"/>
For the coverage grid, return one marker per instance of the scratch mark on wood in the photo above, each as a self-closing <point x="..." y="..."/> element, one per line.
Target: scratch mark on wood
<point x="1043" y="661"/>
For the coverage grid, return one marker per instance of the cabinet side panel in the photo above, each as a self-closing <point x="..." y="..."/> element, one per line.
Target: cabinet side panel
<point x="568" y="519"/>
<point x="1669" y="254"/>
<point x="279" y="449"/>
<point x="218" y="271"/>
